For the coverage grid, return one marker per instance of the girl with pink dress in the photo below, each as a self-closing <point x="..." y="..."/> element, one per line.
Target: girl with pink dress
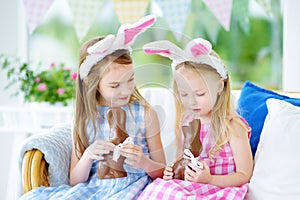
<point x="214" y="159"/>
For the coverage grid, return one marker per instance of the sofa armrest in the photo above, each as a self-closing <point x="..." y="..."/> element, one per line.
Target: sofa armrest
<point x="34" y="170"/>
<point x="46" y="154"/>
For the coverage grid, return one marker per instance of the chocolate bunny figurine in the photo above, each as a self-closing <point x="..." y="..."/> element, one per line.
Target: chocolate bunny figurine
<point x="108" y="168"/>
<point x="192" y="142"/>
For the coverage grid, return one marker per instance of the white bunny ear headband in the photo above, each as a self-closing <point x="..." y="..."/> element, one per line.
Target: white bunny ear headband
<point x="197" y="50"/>
<point x="111" y="43"/>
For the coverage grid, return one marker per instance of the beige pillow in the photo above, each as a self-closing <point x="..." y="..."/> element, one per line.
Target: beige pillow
<point x="276" y="172"/>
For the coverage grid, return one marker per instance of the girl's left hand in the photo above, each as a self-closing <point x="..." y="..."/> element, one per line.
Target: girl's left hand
<point x="195" y="174"/>
<point x="134" y="155"/>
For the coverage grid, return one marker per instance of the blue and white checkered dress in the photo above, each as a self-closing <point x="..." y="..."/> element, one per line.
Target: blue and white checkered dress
<point x="118" y="188"/>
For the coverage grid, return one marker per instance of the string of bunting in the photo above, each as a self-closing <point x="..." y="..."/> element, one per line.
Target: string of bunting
<point x="128" y="11"/>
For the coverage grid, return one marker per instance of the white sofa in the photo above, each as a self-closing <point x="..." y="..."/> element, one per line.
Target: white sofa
<point x="56" y="146"/>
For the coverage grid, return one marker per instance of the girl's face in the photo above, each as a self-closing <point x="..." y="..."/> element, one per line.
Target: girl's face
<point x="197" y="94"/>
<point x="117" y="84"/>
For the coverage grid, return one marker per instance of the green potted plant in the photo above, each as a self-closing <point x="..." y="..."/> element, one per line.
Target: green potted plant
<point x="54" y="84"/>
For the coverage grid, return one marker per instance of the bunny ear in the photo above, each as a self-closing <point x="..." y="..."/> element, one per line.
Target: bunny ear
<point x="198" y="46"/>
<point x="101" y="46"/>
<point x="129" y="32"/>
<point x="164" y="48"/>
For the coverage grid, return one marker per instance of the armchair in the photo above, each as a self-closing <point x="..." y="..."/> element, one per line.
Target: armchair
<point x="44" y="158"/>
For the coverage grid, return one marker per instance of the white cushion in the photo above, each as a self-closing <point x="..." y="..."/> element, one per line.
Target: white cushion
<point x="162" y="101"/>
<point x="276" y="172"/>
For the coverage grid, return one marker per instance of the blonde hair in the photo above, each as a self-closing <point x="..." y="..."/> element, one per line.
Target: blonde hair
<point x="88" y="96"/>
<point x="222" y="111"/>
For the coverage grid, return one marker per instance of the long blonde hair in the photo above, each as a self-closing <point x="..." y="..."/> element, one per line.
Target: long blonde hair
<point x="222" y="111"/>
<point x="88" y="96"/>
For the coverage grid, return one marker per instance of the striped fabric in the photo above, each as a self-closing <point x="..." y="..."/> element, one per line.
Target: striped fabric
<point x="221" y="164"/>
<point x="119" y="188"/>
<point x="130" y="11"/>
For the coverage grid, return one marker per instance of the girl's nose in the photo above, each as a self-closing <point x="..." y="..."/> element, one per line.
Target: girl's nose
<point x="126" y="89"/>
<point x="192" y="101"/>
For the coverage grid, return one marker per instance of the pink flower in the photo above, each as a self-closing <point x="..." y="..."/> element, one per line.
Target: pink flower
<point x="37" y="80"/>
<point x="74" y="75"/>
<point x="42" y="87"/>
<point x="60" y="91"/>
<point x="52" y="64"/>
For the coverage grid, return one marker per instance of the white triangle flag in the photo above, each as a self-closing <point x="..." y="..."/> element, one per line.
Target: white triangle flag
<point x="35" y="11"/>
<point x="83" y="14"/>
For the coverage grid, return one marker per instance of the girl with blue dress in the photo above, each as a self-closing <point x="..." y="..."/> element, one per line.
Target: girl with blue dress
<point x="106" y="83"/>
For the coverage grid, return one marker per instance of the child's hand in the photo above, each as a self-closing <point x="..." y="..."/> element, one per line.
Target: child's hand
<point x="134" y="155"/>
<point x="168" y="173"/>
<point x="100" y="147"/>
<point x="195" y="174"/>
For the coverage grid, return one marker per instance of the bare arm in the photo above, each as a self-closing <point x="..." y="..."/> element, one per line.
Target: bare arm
<point x="79" y="172"/>
<point x="155" y="163"/>
<point x="80" y="168"/>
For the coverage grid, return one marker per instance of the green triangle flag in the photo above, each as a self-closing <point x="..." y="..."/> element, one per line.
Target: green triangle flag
<point x="83" y="14"/>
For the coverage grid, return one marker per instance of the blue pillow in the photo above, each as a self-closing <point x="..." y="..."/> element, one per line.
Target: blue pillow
<point x="252" y="107"/>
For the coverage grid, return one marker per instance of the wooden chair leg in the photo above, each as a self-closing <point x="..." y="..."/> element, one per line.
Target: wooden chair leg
<point x="26" y="166"/>
<point x="34" y="170"/>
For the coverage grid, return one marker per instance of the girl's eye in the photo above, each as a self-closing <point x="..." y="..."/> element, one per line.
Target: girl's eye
<point x="183" y="94"/>
<point x="115" y="86"/>
<point x="130" y="79"/>
<point x="200" y="94"/>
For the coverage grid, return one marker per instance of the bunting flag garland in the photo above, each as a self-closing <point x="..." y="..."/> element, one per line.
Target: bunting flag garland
<point x="240" y="13"/>
<point x="222" y="10"/>
<point x="175" y="13"/>
<point x="83" y="14"/>
<point x="130" y="11"/>
<point x="266" y="5"/>
<point x="35" y="11"/>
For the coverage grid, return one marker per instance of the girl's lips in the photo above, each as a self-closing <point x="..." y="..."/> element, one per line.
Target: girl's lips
<point x="196" y="110"/>
<point x="124" y="98"/>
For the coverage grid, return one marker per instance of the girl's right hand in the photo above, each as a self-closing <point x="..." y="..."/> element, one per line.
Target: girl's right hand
<point x="168" y="173"/>
<point x="100" y="147"/>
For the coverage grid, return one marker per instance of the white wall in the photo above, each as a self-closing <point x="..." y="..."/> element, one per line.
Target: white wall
<point x="9" y="44"/>
<point x="291" y="46"/>
<point x="13" y="40"/>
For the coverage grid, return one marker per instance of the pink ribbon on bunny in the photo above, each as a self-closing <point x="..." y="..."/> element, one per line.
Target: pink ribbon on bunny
<point x="125" y="37"/>
<point x="197" y="50"/>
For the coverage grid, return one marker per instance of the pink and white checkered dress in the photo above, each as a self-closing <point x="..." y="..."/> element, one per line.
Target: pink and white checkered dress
<point x="223" y="163"/>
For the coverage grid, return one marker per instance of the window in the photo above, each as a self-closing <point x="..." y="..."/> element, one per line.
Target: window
<point x="251" y="52"/>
